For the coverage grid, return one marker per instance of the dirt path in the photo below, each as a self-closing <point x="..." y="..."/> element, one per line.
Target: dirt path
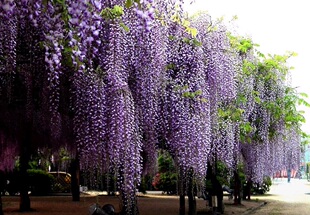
<point x="148" y="205"/>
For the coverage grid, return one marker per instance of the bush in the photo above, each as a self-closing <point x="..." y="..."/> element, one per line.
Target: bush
<point x="168" y="182"/>
<point x="262" y="188"/>
<point x="166" y="178"/>
<point x="40" y="182"/>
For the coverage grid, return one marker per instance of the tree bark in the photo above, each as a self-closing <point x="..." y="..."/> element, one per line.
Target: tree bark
<point x="248" y="190"/>
<point x="249" y="193"/>
<point x="192" y="210"/>
<point x="182" y="204"/>
<point x="24" y="204"/>
<point x="237" y="186"/>
<point x="181" y="192"/>
<point x="1" y="209"/>
<point x="75" y="179"/>
<point x="2" y="188"/>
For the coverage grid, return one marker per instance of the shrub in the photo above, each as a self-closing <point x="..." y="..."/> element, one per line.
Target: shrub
<point x="166" y="178"/>
<point x="40" y="182"/>
<point x="262" y="188"/>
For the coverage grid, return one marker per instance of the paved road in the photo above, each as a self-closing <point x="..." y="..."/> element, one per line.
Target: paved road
<point x="286" y="198"/>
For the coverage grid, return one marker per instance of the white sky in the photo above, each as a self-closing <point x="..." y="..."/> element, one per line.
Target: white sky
<point x="276" y="25"/>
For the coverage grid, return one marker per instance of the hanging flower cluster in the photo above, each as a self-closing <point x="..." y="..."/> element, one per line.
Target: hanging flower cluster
<point x="136" y="80"/>
<point x="273" y="137"/>
<point x="221" y="71"/>
<point x="185" y="104"/>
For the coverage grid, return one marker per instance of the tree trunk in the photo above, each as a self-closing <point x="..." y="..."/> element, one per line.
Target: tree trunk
<point x="237" y="191"/>
<point x="181" y="192"/>
<point x="217" y="191"/>
<point x="192" y="210"/>
<point x="249" y="184"/>
<point x="75" y="179"/>
<point x="24" y="204"/>
<point x="2" y="189"/>
<point x="247" y="190"/>
<point x="1" y="209"/>
<point x="182" y="204"/>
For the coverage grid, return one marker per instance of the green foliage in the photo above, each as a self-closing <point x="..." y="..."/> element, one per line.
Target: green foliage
<point x="112" y="13"/>
<point x="192" y="95"/>
<point x="248" y="68"/>
<point x="167" y="174"/>
<point x="272" y="71"/>
<point x="168" y="182"/>
<point x="222" y="173"/>
<point x="305" y="138"/>
<point x="115" y="14"/>
<point x="241" y="174"/>
<point x="145" y="182"/>
<point x="245" y="130"/>
<point x="129" y="3"/>
<point x="192" y="41"/>
<point x="290" y="101"/>
<point x="40" y="182"/>
<point x="230" y="112"/>
<point x="186" y="93"/>
<point x="62" y="8"/>
<point x="262" y="188"/>
<point x="245" y="46"/>
<point x="241" y="44"/>
<point x="165" y="162"/>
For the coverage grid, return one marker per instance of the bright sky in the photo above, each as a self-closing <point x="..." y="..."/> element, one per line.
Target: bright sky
<point x="276" y="25"/>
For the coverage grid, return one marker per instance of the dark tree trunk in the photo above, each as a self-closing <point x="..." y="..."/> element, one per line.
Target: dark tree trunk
<point x="24" y="204"/>
<point x="2" y="188"/>
<point x="1" y="209"/>
<point x="191" y="195"/>
<point x="181" y="192"/>
<point x="75" y="179"/>
<point x="247" y="190"/>
<point x="237" y="188"/>
<point x="216" y="191"/>
<point x="182" y="204"/>
<point x="192" y="210"/>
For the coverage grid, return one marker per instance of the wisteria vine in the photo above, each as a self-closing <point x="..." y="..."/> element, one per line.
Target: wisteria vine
<point x="138" y="77"/>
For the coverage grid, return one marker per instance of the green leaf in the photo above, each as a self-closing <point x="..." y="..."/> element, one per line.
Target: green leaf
<point x="198" y="92"/>
<point x="257" y="100"/>
<point x="125" y="27"/>
<point x="171" y="37"/>
<point x="196" y="43"/>
<point x="204" y="100"/>
<point x="118" y="10"/>
<point x="186" y="94"/>
<point x="128" y="3"/>
<point x="304" y="95"/>
<point x="170" y="66"/>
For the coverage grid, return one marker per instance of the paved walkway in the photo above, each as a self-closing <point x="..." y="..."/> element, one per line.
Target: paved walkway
<point x="286" y="198"/>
